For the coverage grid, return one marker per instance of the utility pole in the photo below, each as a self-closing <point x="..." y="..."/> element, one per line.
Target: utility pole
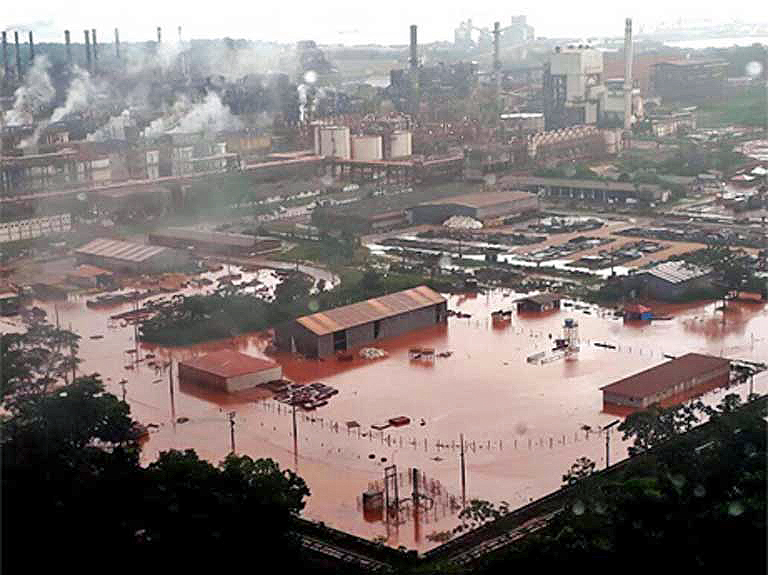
<point x="122" y="384"/>
<point x="463" y="473"/>
<point x="607" y="430"/>
<point x="232" y="431"/>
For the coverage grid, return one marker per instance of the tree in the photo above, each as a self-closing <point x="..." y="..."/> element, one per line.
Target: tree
<point x="33" y="361"/>
<point x="583" y="467"/>
<point x="294" y="287"/>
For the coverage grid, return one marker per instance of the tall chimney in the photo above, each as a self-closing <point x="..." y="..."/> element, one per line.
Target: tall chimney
<point x="87" y="51"/>
<point x="6" y="63"/>
<point x="159" y="35"/>
<point x="496" y="56"/>
<point x="628" y="74"/>
<point x="414" y="58"/>
<point x="117" y="43"/>
<point x="95" y="50"/>
<point x="31" y="49"/>
<point x="69" y="47"/>
<point x="18" y="56"/>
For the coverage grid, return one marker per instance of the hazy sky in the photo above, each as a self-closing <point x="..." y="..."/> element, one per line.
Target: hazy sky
<point x="348" y="21"/>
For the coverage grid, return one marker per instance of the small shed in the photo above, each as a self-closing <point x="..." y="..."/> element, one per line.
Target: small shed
<point x="9" y="302"/>
<point x="539" y="302"/>
<point x="88" y="276"/>
<point x="229" y="371"/>
<point x="637" y="312"/>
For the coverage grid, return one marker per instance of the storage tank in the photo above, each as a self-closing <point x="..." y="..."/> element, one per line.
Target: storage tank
<point x="400" y="144"/>
<point x="334" y="142"/>
<point x="367" y="148"/>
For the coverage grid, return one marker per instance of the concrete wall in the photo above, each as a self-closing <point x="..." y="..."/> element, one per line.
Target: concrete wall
<point x="250" y="380"/>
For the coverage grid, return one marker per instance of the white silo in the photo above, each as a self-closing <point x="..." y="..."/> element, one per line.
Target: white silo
<point x="400" y="144"/>
<point x="367" y="148"/>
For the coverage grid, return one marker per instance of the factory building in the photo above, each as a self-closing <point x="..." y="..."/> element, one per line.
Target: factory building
<point x="490" y="208"/>
<point x="575" y="142"/>
<point x="670" y="280"/>
<point x="120" y="256"/>
<point x="352" y="221"/>
<point x="341" y="329"/>
<point x="229" y="371"/>
<point x="690" y="82"/>
<point x="573" y="87"/>
<point x="589" y="190"/>
<point x="66" y="168"/>
<point x="213" y="242"/>
<point x="659" y="383"/>
<point x="614" y="102"/>
<point x="88" y="276"/>
<point x="672" y="123"/>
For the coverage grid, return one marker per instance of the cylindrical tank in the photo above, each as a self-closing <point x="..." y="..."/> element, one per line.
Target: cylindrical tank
<point x="335" y="142"/>
<point x="400" y="144"/>
<point x="367" y="148"/>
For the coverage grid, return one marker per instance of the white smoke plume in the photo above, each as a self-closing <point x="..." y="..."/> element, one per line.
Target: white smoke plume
<point x="33" y="96"/>
<point x="210" y="115"/>
<point x="82" y="93"/>
<point x="113" y="129"/>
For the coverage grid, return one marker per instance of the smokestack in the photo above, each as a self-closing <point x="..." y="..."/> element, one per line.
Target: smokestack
<point x="414" y="59"/>
<point x="18" y="56"/>
<point x="628" y="74"/>
<point x="6" y="63"/>
<point x="87" y="51"/>
<point x="95" y="49"/>
<point x="496" y="55"/>
<point x="69" y="47"/>
<point x="31" y="49"/>
<point x="159" y="35"/>
<point x="117" y="43"/>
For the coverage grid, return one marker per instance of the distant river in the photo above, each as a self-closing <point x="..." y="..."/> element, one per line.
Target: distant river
<point x="719" y="42"/>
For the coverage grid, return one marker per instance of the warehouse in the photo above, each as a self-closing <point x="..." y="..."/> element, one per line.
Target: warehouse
<point x="673" y="377"/>
<point x="120" y="256"/>
<point x="229" y="371"/>
<point x="338" y="330"/>
<point x="88" y="276"/>
<point x="540" y="302"/>
<point x="490" y="208"/>
<point x="670" y="280"/>
<point x="589" y="190"/>
<point x="213" y="242"/>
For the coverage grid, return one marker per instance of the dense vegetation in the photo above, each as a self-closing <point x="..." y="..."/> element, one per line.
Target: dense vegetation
<point x="73" y="485"/>
<point x="228" y="312"/>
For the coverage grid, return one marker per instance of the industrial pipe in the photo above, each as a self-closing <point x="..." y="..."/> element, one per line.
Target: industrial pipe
<point x="414" y="58"/>
<point x="18" y="56"/>
<point x="31" y="48"/>
<point x="628" y="74"/>
<point x="68" y="46"/>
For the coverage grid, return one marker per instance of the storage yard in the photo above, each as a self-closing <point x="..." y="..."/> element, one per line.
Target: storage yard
<point x="524" y="423"/>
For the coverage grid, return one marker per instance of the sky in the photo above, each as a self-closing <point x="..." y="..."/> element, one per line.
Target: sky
<point x="349" y="21"/>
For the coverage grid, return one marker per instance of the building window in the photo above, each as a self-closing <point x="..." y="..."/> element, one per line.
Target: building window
<point x="376" y="329"/>
<point x="340" y="341"/>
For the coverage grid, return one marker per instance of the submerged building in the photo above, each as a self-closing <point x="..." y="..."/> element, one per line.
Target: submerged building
<point x="490" y="208"/>
<point x="673" y="377"/>
<point x="340" y="329"/>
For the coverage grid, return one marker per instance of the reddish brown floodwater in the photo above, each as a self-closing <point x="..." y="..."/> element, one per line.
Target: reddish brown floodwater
<point x="522" y="421"/>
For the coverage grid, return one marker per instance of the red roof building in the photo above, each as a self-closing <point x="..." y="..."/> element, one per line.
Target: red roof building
<point x="673" y="377"/>
<point x="229" y="370"/>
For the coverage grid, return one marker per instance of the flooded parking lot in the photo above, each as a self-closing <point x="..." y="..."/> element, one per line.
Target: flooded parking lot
<point x="523" y="423"/>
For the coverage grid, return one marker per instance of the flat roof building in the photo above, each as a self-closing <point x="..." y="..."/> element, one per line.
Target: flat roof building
<point x="690" y="81"/>
<point x="663" y="381"/>
<point x="229" y="371"/>
<point x="118" y="255"/>
<point x="539" y="302"/>
<point x="491" y="208"/>
<point x="213" y="242"/>
<point x="589" y="190"/>
<point x="351" y="326"/>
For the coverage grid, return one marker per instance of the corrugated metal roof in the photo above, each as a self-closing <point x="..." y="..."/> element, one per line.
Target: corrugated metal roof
<point x="370" y="310"/>
<point x="666" y="375"/>
<point x="228" y="363"/>
<point x="677" y="271"/>
<point x="481" y="199"/>
<point x="542" y="298"/>
<point x="120" y="250"/>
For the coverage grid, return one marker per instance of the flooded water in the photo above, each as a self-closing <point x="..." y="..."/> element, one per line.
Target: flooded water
<point x="522" y="423"/>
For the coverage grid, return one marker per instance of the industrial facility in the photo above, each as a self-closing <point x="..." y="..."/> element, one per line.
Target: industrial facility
<point x="213" y="242"/>
<point x="677" y="376"/>
<point x="598" y="191"/>
<point x="670" y="280"/>
<point x="229" y="371"/>
<point x="491" y="208"/>
<point x="341" y="329"/>
<point x="121" y="256"/>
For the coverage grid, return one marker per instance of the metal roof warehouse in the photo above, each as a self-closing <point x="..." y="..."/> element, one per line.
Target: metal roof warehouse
<point x="339" y="329"/>
<point x="658" y="383"/>
<point x="128" y="256"/>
